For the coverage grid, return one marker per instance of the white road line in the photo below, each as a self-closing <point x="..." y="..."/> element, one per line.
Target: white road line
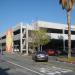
<point x="24" y="68"/>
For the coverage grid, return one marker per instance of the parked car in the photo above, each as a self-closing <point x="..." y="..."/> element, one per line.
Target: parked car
<point x="73" y="50"/>
<point x="51" y="52"/>
<point x="40" y="56"/>
<point x="61" y="52"/>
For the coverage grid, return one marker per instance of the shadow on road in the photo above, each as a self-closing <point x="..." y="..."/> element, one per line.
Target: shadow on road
<point x="4" y="71"/>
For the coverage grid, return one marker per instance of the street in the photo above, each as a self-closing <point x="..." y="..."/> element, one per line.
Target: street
<point x="7" y="68"/>
<point x="24" y="65"/>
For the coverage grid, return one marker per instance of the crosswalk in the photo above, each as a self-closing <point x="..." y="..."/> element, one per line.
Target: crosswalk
<point x="54" y="70"/>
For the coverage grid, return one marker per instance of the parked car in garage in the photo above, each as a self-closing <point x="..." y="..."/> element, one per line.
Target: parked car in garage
<point x="73" y="50"/>
<point x="51" y="52"/>
<point x="40" y="56"/>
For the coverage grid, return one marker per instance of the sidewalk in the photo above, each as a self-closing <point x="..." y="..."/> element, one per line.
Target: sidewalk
<point x="17" y="56"/>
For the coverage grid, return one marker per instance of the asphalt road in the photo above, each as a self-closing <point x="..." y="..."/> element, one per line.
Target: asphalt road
<point x="8" y="68"/>
<point x="23" y="65"/>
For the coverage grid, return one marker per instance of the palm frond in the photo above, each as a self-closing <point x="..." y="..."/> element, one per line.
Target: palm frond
<point x="67" y="4"/>
<point x="72" y="1"/>
<point x="63" y="3"/>
<point x="70" y="4"/>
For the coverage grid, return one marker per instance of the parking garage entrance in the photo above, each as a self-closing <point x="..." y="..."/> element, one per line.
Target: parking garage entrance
<point x="57" y="44"/>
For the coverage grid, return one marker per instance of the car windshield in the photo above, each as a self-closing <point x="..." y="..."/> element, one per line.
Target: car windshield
<point x="41" y="52"/>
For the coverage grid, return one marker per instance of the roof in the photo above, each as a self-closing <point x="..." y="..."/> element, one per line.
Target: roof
<point x="45" y="24"/>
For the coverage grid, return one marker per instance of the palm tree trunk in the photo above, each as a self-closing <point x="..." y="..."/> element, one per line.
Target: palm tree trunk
<point x="69" y="34"/>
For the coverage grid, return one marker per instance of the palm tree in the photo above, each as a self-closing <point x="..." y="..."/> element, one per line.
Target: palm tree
<point x="68" y="5"/>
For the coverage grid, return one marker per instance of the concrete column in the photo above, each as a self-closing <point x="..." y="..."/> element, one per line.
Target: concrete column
<point x="12" y="42"/>
<point x="21" y="38"/>
<point x="63" y="40"/>
<point x="27" y="40"/>
<point x="1" y="47"/>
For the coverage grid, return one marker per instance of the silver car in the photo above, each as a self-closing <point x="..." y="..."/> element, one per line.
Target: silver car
<point x="40" y="56"/>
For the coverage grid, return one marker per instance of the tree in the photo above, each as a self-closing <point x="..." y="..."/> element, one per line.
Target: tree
<point x="39" y="38"/>
<point x="68" y="5"/>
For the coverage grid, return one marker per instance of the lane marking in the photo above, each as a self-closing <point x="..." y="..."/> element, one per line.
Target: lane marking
<point x="25" y="68"/>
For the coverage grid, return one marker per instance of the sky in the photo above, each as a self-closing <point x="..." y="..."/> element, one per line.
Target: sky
<point x="13" y="12"/>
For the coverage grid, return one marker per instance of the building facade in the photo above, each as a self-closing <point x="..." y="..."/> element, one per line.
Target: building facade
<point x="21" y="36"/>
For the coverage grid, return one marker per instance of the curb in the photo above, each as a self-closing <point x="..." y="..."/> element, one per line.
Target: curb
<point x="61" y="60"/>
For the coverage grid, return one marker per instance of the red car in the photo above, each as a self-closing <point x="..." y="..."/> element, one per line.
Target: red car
<point x="51" y="52"/>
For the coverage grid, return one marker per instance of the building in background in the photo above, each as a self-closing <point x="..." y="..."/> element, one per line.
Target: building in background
<point x="19" y="38"/>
